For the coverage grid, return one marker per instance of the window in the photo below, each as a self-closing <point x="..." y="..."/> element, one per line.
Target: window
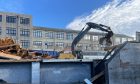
<point x="11" y="31"/>
<point x="69" y="36"/>
<point x="25" y="32"/>
<point x="0" y="18"/>
<point x="95" y="47"/>
<point x="117" y="40"/>
<point x="37" y="43"/>
<point x="130" y="39"/>
<point x="25" y="43"/>
<point x="11" y="19"/>
<point x="124" y="39"/>
<point x="87" y="37"/>
<point x="37" y="33"/>
<point x="68" y="45"/>
<point x="60" y="35"/>
<point x="49" y="45"/>
<point x="24" y="20"/>
<point x="95" y="38"/>
<point x="49" y="35"/>
<point x="86" y="46"/>
<point x="59" y="44"/>
<point x="0" y="31"/>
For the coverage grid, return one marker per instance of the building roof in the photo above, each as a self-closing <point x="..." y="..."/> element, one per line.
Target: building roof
<point x="15" y="13"/>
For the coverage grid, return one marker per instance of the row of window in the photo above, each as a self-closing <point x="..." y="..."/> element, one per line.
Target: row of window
<point x="39" y="43"/>
<point x="26" y="44"/>
<point x="58" y="35"/>
<point x="13" y="32"/>
<point x="50" y="45"/>
<point x="60" y="45"/>
<point x="61" y="35"/>
<point x="119" y="40"/>
<point x="52" y="35"/>
<point x="14" y="19"/>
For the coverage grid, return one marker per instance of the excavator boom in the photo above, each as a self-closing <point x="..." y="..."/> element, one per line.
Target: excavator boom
<point x="84" y="31"/>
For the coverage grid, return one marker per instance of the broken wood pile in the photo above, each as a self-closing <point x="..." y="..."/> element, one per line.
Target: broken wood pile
<point x="9" y="49"/>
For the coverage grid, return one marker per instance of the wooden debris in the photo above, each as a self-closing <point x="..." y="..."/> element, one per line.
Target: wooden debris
<point x="9" y="49"/>
<point x="66" y="56"/>
<point x="4" y="55"/>
<point x="21" y="60"/>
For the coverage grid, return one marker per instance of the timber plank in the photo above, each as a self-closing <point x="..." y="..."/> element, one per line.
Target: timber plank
<point x="4" y="55"/>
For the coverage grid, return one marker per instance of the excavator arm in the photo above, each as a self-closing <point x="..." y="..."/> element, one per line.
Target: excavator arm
<point x="85" y="30"/>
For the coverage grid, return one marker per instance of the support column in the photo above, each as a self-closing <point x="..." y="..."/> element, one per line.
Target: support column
<point x="35" y="73"/>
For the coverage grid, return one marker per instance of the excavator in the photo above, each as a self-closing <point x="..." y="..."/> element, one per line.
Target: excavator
<point x="106" y="40"/>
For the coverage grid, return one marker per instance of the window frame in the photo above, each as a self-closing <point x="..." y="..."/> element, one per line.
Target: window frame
<point x="37" y="33"/>
<point x="0" y="18"/>
<point x="25" y="32"/>
<point x="11" y="31"/>
<point x="25" y="43"/>
<point x="24" y="21"/>
<point x="60" y="35"/>
<point x="11" y="19"/>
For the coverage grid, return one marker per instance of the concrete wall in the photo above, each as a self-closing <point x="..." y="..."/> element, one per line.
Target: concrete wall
<point x="48" y="72"/>
<point x="64" y="73"/>
<point x="15" y="72"/>
<point x="124" y="67"/>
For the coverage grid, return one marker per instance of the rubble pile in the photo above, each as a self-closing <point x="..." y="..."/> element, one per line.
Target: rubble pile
<point x="9" y="49"/>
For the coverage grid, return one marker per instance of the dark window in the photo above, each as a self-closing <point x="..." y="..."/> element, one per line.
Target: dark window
<point x="60" y="35"/>
<point x="49" y="45"/>
<point x="0" y="18"/>
<point x="24" y="20"/>
<point x="59" y="44"/>
<point x="49" y="35"/>
<point x="11" y="19"/>
<point x="11" y="31"/>
<point x="37" y="33"/>
<point x="25" y="43"/>
<point x="37" y="43"/>
<point x="0" y="31"/>
<point x="25" y="32"/>
<point x="69" y="36"/>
